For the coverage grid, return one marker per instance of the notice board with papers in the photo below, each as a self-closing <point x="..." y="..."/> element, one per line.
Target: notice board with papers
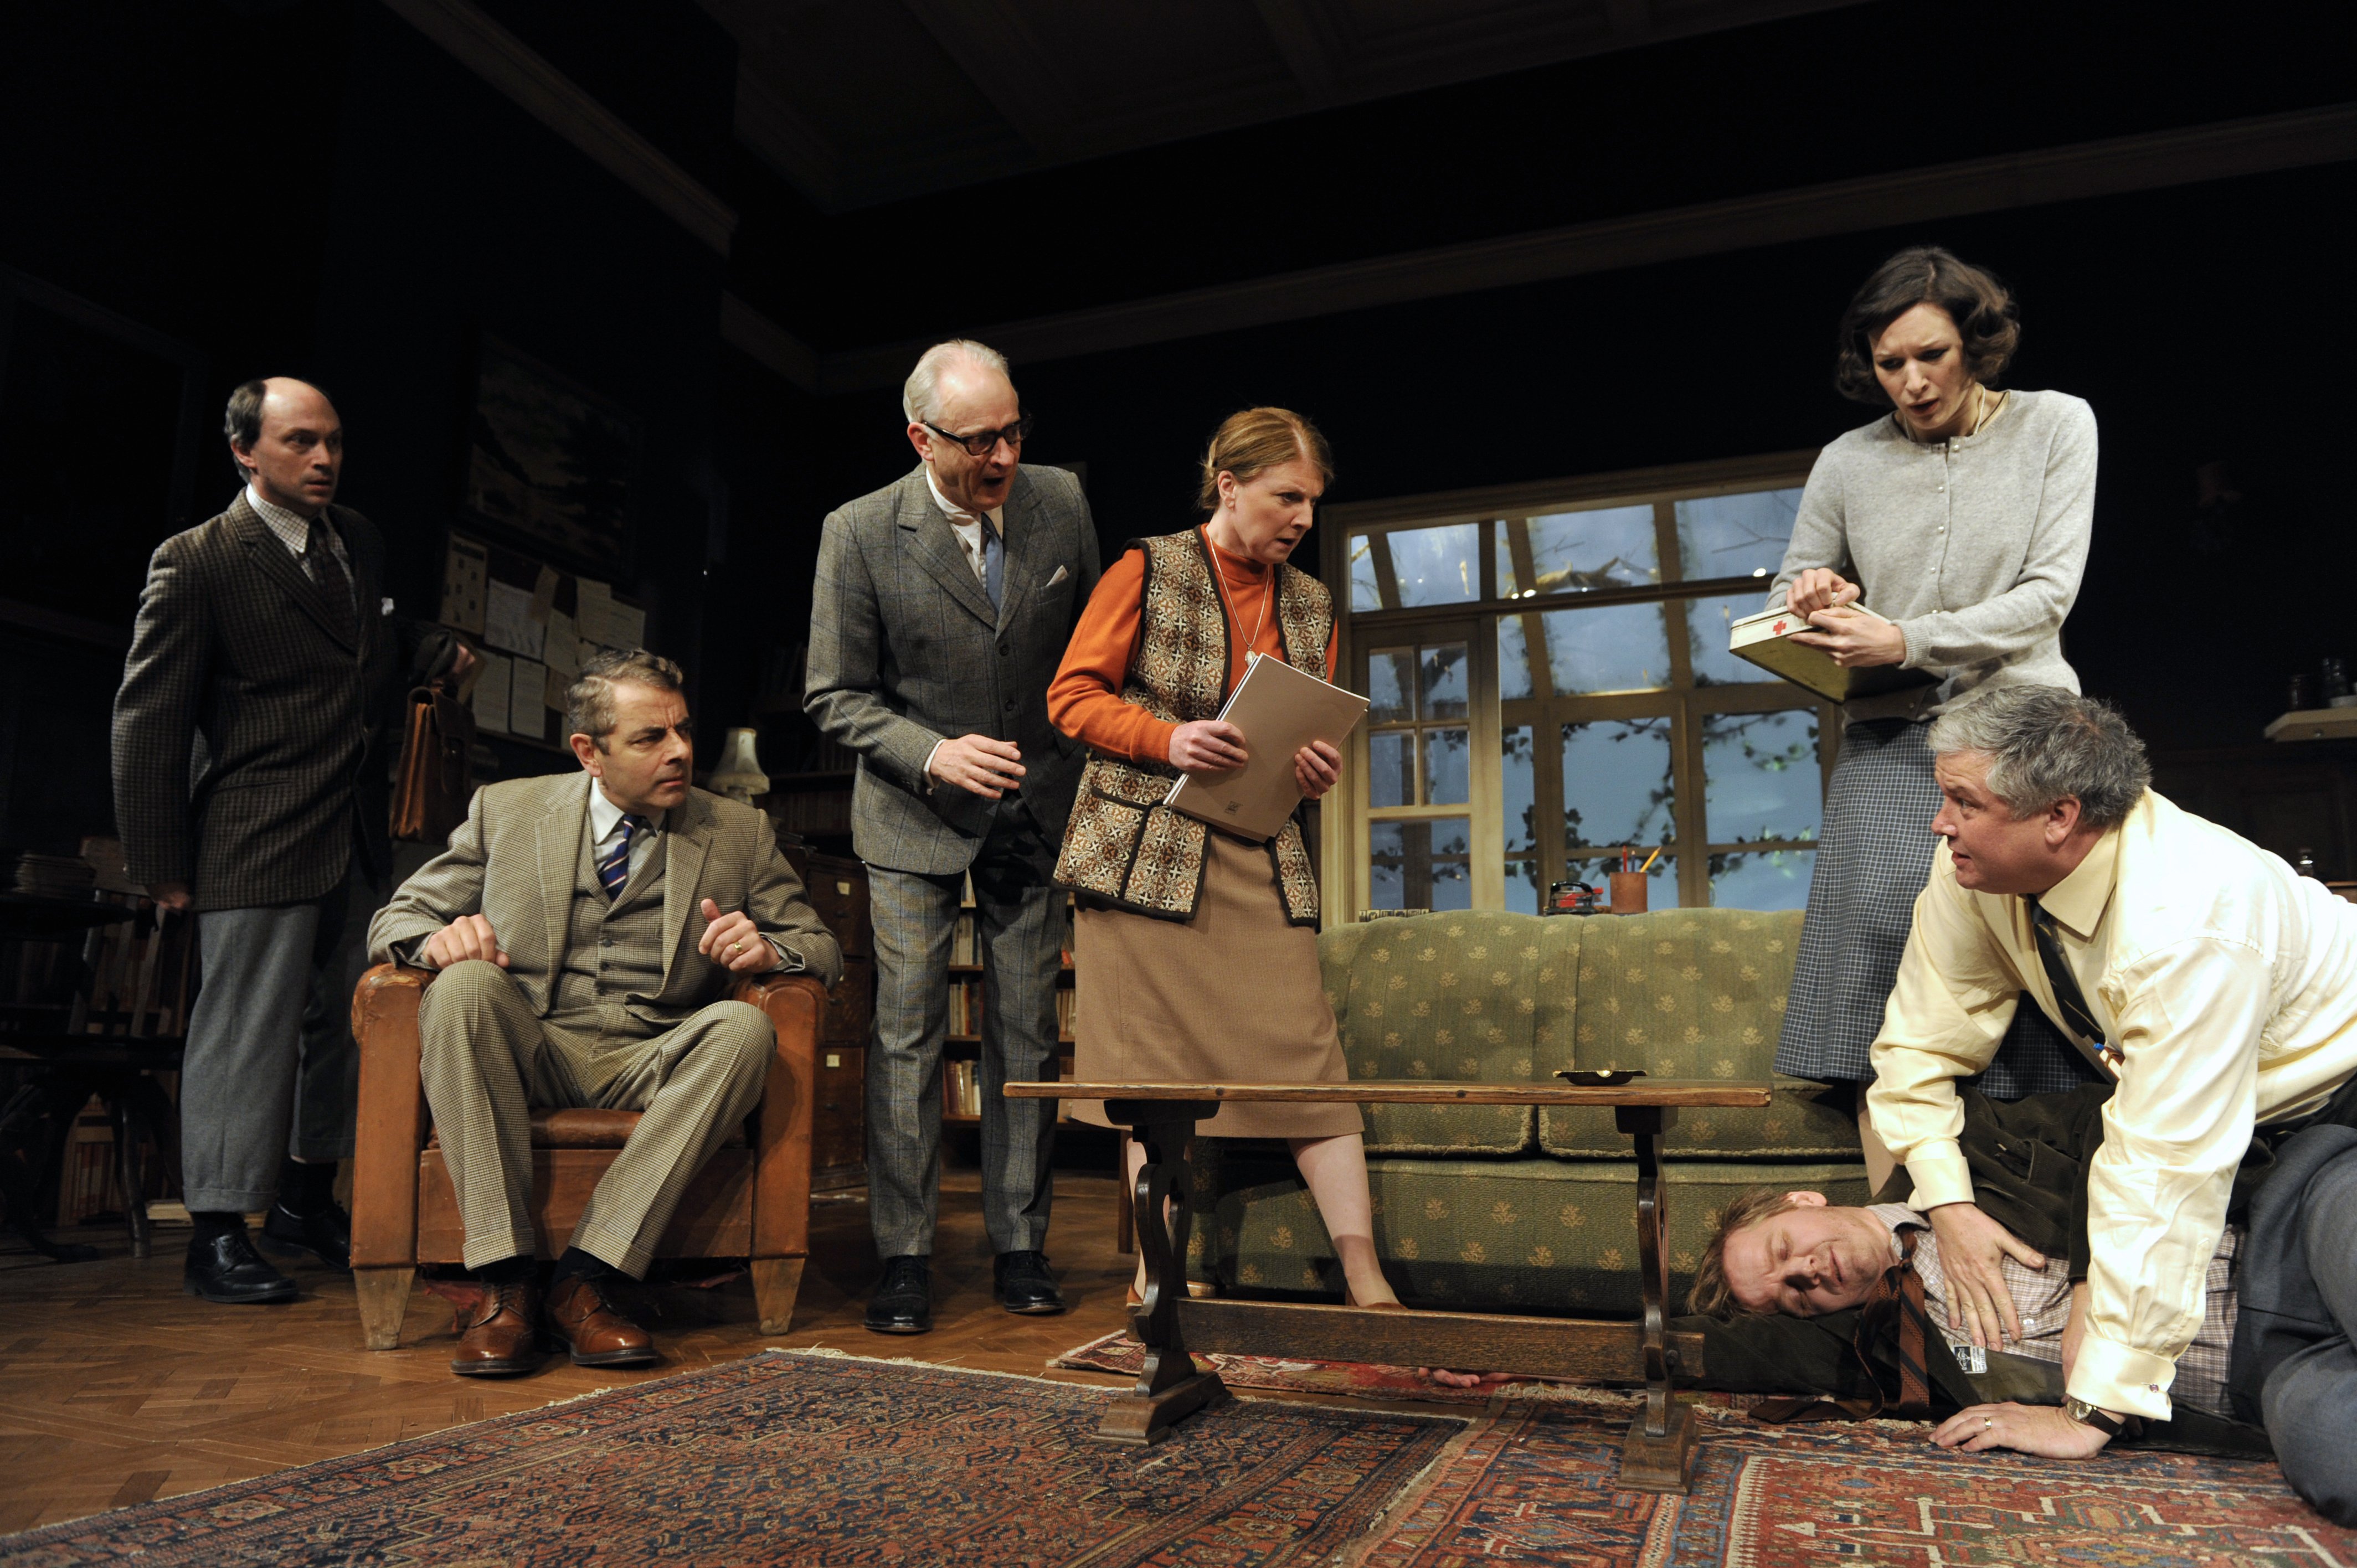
<point x="532" y="627"/>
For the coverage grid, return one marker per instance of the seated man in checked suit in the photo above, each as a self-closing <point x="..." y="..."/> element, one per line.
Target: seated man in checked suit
<point x="588" y="927"/>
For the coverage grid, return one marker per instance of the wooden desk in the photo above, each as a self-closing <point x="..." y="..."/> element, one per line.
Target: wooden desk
<point x="1658" y="1456"/>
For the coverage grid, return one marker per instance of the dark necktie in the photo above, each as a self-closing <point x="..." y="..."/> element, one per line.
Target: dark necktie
<point x="320" y="564"/>
<point x="2067" y="994"/>
<point x="614" y="869"/>
<point x="993" y="561"/>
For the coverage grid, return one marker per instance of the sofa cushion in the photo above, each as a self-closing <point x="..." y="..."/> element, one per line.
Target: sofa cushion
<point x="1694" y="993"/>
<point x="1535" y="1234"/>
<point x="1458" y="997"/>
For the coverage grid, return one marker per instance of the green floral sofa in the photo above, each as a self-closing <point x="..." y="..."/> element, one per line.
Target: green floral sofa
<point x="1508" y="1207"/>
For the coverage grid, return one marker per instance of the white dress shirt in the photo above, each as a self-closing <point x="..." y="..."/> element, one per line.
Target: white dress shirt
<point x="606" y="831"/>
<point x="967" y="526"/>
<point x="2227" y="987"/>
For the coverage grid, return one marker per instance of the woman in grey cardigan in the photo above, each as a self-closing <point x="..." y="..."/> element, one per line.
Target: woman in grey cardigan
<point x="1963" y="517"/>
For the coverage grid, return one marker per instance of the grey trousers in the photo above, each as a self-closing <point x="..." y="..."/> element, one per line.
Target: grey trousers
<point x="1019" y="921"/>
<point x="270" y="1068"/>
<point x="2311" y="1399"/>
<point x="488" y="1059"/>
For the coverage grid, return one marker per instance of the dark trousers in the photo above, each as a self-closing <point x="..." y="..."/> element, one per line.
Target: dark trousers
<point x="1019" y="921"/>
<point x="2311" y="1399"/>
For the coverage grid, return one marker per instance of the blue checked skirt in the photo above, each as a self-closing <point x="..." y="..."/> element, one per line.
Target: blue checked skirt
<point x="1874" y="856"/>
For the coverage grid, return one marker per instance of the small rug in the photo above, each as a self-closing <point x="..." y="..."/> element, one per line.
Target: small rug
<point x="1538" y="1484"/>
<point x="804" y="1458"/>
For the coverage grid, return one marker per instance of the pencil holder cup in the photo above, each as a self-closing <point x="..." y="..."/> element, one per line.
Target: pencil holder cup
<point x="1628" y="892"/>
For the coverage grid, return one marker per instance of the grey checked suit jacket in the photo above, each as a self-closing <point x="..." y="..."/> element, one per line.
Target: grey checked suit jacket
<point x="513" y="860"/>
<point x="906" y="651"/>
<point x="250" y="727"/>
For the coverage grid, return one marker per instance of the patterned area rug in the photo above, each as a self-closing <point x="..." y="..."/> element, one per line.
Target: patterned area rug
<point x="1537" y="1486"/>
<point x="803" y="1458"/>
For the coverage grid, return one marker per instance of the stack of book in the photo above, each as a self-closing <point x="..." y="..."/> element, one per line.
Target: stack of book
<point x="961" y="1092"/>
<point x="1065" y="997"/>
<point x="964" y="948"/>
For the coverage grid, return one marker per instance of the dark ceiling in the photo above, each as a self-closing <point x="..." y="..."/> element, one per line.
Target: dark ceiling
<point x="860" y="102"/>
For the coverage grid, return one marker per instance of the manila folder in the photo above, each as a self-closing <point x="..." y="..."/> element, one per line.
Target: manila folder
<point x="1280" y="710"/>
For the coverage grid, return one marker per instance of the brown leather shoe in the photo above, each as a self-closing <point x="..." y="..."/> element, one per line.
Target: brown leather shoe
<point x="500" y="1334"/>
<point x="598" y="1333"/>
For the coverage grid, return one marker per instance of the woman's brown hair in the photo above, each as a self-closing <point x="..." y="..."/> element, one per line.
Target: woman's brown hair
<point x="1249" y="444"/>
<point x="1980" y="305"/>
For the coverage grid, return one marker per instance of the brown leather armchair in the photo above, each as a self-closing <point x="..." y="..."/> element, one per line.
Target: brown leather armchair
<point x="751" y="1200"/>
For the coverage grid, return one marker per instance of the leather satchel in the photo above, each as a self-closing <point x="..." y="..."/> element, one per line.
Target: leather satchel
<point x="435" y="782"/>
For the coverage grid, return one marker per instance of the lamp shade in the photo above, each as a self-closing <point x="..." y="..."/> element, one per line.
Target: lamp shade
<point x="739" y="775"/>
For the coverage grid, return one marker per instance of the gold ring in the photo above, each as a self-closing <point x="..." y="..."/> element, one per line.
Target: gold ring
<point x="1987" y="1422"/>
<point x="736" y="946"/>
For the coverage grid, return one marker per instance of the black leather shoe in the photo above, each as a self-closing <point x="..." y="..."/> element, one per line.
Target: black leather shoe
<point x="326" y="1233"/>
<point x="227" y="1270"/>
<point x="903" y="1304"/>
<point x="1022" y="1283"/>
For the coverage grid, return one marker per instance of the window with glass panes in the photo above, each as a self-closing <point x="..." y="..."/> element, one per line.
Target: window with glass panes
<point x="1551" y="692"/>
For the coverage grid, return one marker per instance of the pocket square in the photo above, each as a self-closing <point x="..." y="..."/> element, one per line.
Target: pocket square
<point x="1059" y="576"/>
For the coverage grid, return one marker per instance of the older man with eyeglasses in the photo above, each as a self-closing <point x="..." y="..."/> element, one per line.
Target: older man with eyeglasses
<point x="942" y="605"/>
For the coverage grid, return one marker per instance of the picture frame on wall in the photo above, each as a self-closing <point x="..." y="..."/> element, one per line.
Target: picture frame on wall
<point x="549" y="462"/>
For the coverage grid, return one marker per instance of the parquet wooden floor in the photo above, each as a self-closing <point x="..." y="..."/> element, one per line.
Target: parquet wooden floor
<point x="115" y="1387"/>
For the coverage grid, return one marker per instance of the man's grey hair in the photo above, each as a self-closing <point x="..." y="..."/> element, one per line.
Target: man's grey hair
<point x="2044" y="743"/>
<point x="589" y="701"/>
<point x="920" y="399"/>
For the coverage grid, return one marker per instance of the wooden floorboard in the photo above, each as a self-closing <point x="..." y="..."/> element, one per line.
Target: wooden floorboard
<point x="116" y="1389"/>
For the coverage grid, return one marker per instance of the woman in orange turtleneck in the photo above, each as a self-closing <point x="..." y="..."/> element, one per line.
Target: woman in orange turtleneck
<point x="1197" y="963"/>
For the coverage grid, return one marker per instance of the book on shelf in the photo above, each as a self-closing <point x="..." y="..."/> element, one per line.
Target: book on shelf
<point x="964" y="946"/>
<point x="1065" y="1007"/>
<point x="961" y="1089"/>
<point x="1765" y="639"/>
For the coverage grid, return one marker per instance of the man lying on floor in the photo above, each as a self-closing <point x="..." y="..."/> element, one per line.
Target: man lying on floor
<point x="2279" y="1296"/>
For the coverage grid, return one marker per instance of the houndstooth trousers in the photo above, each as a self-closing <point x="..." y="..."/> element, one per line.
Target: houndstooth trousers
<point x="488" y="1058"/>
<point x="1874" y="856"/>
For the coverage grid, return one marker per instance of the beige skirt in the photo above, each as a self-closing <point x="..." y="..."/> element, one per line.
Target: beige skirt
<point x="1230" y="997"/>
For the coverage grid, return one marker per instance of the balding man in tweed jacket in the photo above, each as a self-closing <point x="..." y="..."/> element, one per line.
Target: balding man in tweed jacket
<point x="943" y="606"/>
<point x="587" y="929"/>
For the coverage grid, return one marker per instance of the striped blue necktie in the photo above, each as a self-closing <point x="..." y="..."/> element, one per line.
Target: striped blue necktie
<point x="614" y="870"/>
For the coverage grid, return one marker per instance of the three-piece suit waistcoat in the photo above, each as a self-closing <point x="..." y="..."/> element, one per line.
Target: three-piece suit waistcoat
<point x="613" y="952"/>
<point x="1124" y="846"/>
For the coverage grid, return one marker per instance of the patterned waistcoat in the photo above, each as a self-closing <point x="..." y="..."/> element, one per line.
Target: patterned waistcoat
<point x="613" y="951"/>
<point x="1124" y="846"/>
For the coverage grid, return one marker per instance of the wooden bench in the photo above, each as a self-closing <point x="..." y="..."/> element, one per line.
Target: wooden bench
<point x="1658" y="1455"/>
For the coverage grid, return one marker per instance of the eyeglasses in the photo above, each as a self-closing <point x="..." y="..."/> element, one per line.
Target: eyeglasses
<point x="982" y="443"/>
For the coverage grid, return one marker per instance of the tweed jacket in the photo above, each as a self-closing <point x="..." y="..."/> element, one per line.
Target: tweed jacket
<point x="515" y="859"/>
<point x="250" y="727"/>
<point x="906" y="651"/>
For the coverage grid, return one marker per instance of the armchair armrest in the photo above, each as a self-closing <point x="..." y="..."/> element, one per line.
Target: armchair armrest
<point x="391" y="1125"/>
<point x="796" y="1005"/>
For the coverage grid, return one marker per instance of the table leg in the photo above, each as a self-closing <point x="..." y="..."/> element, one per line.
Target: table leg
<point x="127" y="1132"/>
<point x="1658" y="1455"/>
<point x="1169" y="1389"/>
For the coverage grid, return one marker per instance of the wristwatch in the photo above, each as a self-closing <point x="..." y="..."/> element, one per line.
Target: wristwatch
<point x="2086" y="1414"/>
